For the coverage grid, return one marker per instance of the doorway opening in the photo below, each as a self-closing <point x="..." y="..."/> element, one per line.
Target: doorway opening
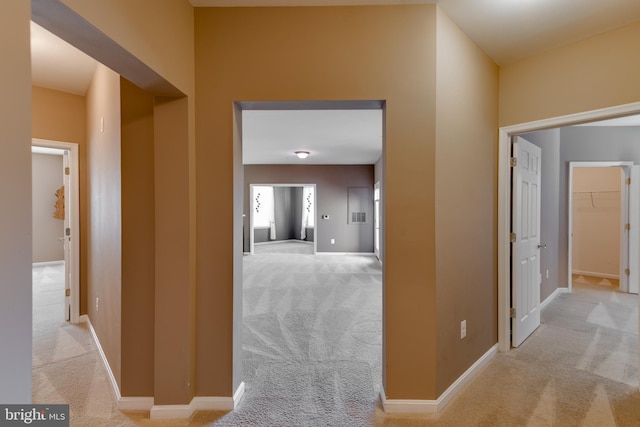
<point x="602" y="215"/>
<point x="505" y="201"/>
<point x="58" y="238"/>
<point x="310" y="315"/>
<point x="281" y="214"/>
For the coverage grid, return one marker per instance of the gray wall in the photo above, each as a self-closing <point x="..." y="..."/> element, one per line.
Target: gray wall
<point x="549" y="142"/>
<point x="559" y="147"/>
<point x="46" y="179"/>
<point x="332" y="183"/>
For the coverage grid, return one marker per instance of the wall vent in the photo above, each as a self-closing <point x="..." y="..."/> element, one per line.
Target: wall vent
<point x="358" y="217"/>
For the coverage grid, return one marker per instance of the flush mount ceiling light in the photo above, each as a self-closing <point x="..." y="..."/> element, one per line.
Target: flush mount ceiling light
<point x="302" y="154"/>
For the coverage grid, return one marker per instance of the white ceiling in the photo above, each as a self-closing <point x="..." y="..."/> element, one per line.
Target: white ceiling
<point x="507" y="30"/>
<point x="330" y="136"/>
<point x="57" y="65"/>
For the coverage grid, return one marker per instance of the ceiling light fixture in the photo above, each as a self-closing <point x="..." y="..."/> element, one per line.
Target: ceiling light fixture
<point x="302" y="154"/>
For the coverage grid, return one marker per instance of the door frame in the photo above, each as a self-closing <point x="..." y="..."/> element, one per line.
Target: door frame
<point x="504" y="199"/>
<point x="377" y="213"/>
<point x="75" y="220"/>
<point x="624" y="218"/>
<point x="251" y="210"/>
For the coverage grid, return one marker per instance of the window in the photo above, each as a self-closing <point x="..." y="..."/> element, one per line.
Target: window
<point x="262" y="206"/>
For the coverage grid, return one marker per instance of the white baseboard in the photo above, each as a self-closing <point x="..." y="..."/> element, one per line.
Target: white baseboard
<point x="112" y="378"/>
<point x="122" y="403"/>
<point x="198" y="403"/>
<point x="554" y="294"/>
<point x="411" y="406"/>
<point x="135" y="403"/>
<point x="164" y="412"/>
<point x="346" y="253"/>
<point x="45" y="263"/>
<point x="594" y="274"/>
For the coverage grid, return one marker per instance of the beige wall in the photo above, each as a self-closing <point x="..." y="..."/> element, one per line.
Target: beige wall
<point x="175" y="296"/>
<point x="466" y="181"/>
<point x="138" y="240"/>
<point x="157" y="32"/>
<point x="47" y="173"/>
<point x="595" y="73"/>
<point x="596" y="221"/>
<point x="104" y="255"/>
<point x="61" y="116"/>
<point x="156" y="52"/>
<point x="254" y="57"/>
<point x="15" y="187"/>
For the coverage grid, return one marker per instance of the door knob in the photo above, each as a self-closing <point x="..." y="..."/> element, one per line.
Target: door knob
<point x="542" y="246"/>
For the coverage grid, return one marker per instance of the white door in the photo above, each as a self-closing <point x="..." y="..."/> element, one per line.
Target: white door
<point x="634" y="229"/>
<point x="525" y="247"/>
<point x="67" y="235"/>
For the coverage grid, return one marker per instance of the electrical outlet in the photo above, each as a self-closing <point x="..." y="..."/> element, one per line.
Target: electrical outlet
<point x="333" y="241"/>
<point x="97" y="304"/>
<point x="463" y="329"/>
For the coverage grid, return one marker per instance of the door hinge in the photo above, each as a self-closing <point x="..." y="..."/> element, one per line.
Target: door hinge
<point x="67" y="292"/>
<point x="627" y="271"/>
<point x="627" y="226"/>
<point x="513" y="237"/>
<point x="512" y="313"/>
<point x="513" y="162"/>
<point x="628" y="181"/>
<point x="67" y="171"/>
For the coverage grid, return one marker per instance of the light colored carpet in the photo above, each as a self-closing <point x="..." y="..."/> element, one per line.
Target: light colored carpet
<point x="580" y="368"/>
<point x="312" y="338"/>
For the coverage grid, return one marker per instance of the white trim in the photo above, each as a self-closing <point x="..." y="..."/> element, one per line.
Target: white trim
<point x="238" y="395"/>
<point x="347" y="253"/>
<point x="45" y="263"/>
<point x="166" y="412"/>
<point x="122" y="403"/>
<point x="112" y="378"/>
<point x="594" y="274"/>
<point x="412" y="406"/>
<point x="504" y="199"/>
<point x="551" y="297"/>
<point x="135" y="403"/>
<point x="198" y="403"/>
<point x="75" y="218"/>
<point x="204" y="403"/>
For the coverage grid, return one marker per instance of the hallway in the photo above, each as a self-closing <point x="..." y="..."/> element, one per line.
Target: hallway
<point x="579" y="368"/>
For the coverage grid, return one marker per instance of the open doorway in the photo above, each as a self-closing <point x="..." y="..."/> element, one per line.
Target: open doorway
<point x="601" y="244"/>
<point x="282" y="217"/>
<point x="56" y="228"/>
<point x="504" y="201"/>
<point x="312" y="319"/>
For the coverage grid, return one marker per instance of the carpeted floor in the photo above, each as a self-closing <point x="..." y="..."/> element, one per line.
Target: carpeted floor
<point x="312" y="338"/>
<point x="313" y="357"/>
